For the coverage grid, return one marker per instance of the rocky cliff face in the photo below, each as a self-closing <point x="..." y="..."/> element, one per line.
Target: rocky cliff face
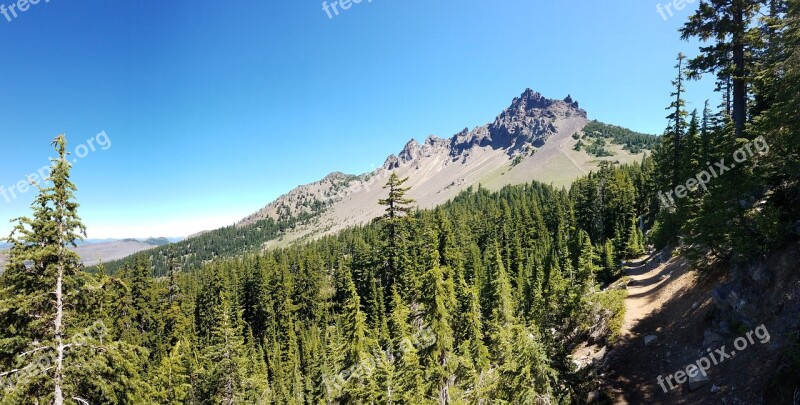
<point x="528" y="122"/>
<point x="439" y="168"/>
<point x="307" y="199"/>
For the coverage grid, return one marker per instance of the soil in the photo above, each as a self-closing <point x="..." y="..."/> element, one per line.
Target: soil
<point x="668" y="300"/>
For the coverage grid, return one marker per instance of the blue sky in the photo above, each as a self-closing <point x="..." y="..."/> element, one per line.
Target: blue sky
<point x="215" y="108"/>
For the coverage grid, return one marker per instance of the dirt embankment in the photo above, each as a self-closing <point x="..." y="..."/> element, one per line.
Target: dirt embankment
<point x="684" y="315"/>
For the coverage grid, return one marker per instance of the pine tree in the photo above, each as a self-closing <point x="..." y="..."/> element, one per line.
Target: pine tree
<point x="173" y="384"/>
<point x="57" y="347"/>
<point x="525" y="378"/>
<point x="668" y="157"/>
<point x="144" y="325"/>
<point x="225" y="356"/>
<point x="587" y="265"/>
<point x="354" y="327"/>
<point x="472" y="350"/>
<point x="398" y="206"/>
<point x="730" y="24"/>
<point x="408" y="373"/>
<point x="438" y="298"/>
<point x="40" y="263"/>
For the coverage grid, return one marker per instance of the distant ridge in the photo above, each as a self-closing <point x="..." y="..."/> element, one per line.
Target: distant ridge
<point x="529" y="140"/>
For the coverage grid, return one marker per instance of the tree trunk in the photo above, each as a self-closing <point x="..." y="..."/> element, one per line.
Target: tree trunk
<point x="59" y="332"/>
<point x="739" y="83"/>
<point x="59" y="375"/>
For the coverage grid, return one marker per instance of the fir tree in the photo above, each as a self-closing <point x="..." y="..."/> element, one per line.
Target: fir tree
<point x="397" y="209"/>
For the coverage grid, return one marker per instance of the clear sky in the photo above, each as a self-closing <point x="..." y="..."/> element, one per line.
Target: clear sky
<point x="213" y="109"/>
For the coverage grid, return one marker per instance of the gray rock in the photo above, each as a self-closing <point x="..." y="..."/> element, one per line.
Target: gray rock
<point x="600" y="355"/>
<point x="711" y="338"/>
<point x="695" y="305"/>
<point x="698" y="381"/>
<point x="650" y="339"/>
<point x="714" y="389"/>
<point x="720" y="296"/>
<point x="760" y="274"/>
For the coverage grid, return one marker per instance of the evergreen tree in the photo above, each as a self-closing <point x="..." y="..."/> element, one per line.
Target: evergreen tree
<point x="730" y="24"/>
<point x="55" y="345"/>
<point x="224" y="356"/>
<point x="408" y="372"/>
<point x="397" y="209"/>
<point x="438" y="298"/>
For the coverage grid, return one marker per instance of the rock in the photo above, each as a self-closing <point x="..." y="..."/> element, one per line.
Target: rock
<point x="714" y="389"/>
<point x="746" y="312"/>
<point x="650" y="339"/>
<point x="720" y="296"/>
<point x="711" y="338"/>
<point x="695" y="305"/>
<point x="698" y="381"/>
<point x="759" y="274"/>
<point x="600" y="355"/>
<point x="725" y="297"/>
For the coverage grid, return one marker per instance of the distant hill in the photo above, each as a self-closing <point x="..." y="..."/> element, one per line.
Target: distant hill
<point x="93" y="251"/>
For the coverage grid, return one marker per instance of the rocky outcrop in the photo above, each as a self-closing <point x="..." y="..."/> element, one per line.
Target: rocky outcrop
<point x="763" y="291"/>
<point x="525" y="125"/>
<point x="307" y="199"/>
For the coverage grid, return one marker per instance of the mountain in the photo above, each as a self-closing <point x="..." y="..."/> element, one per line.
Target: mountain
<point x="94" y="251"/>
<point x="533" y="139"/>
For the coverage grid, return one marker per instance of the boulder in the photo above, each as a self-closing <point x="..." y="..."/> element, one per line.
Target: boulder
<point x="697" y="381"/>
<point x="650" y="339"/>
<point x="711" y="339"/>
<point x="759" y="274"/>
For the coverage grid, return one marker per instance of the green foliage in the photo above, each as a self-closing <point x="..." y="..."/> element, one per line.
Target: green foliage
<point x="634" y="142"/>
<point x="598" y="148"/>
<point x="227" y="242"/>
<point x="53" y="332"/>
<point x="612" y="303"/>
<point x="748" y="210"/>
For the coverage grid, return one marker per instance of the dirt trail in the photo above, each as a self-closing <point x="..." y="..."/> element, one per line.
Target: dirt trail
<point x="649" y="287"/>
<point x="663" y="301"/>
<point x="672" y="303"/>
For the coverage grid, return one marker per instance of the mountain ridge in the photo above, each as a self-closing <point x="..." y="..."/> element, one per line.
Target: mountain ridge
<point x="526" y="141"/>
<point x="533" y="139"/>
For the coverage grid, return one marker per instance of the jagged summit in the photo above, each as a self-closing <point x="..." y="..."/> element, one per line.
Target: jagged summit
<point x="531" y="139"/>
<point x="527" y="122"/>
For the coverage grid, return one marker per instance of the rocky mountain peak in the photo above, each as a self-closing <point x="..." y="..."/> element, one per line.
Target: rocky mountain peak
<point x="527" y="122"/>
<point x="414" y="150"/>
<point x="442" y="167"/>
<point x="531" y="119"/>
<point x="530" y="100"/>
